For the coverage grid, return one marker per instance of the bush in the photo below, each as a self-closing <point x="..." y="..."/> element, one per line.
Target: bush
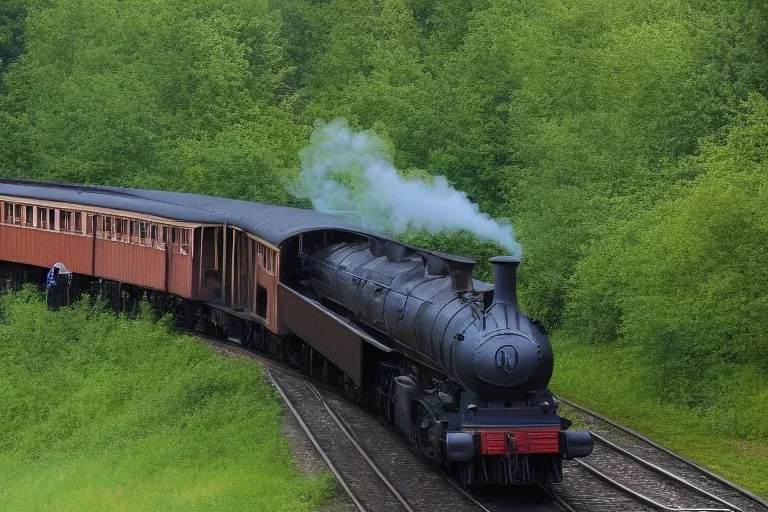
<point x="687" y="280"/>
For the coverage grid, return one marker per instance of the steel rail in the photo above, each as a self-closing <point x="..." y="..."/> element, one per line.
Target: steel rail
<point x="466" y="495"/>
<point x="557" y="498"/>
<point x="440" y="473"/>
<point x="359" y="448"/>
<point x="641" y="497"/>
<point x="312" y="438"/>
<point x="663" y="471"/>
<point x="682" y="459"/>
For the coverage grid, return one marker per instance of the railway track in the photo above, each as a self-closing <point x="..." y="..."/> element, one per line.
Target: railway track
<point x="368" y="488"/>
<point x="370" y="485"/>
<point x="349" y="438"/>
<point x="628" y="471"/>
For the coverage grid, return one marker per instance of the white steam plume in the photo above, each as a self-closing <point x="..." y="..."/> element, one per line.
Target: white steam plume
<point x="348" y="171"/>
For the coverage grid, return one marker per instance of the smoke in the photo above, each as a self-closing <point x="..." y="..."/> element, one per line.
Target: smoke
<point x="351" y="171"/>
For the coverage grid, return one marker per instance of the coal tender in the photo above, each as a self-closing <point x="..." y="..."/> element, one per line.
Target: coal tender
<point x="466" y="379"/>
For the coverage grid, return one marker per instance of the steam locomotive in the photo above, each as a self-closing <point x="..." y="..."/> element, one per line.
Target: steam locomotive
<point x="470" y="387"/>
<point x="452" y="362"/>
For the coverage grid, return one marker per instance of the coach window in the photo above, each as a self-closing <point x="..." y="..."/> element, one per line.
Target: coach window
<point x="108" y="234"/>
<point x="134" y="237"/>
<point x="52" y="219"/>
<point x="153" y="242"/>
<point x="175" y="239"/>
<point x="42" y="218"/>
<point x="163" y="234"/>
<point x="66" y="220"/>
<point x="117" y="225"/>
<point x="89" y="224"/>
<point x="184" y="241"/>
<point x="270" y="262"/>
<point x="29" y="215"/>
<point x="79" y="222"/>
<point x="125" y="233"/>
<point x="122" y="226"/>
<point x="105" y="227"/>
<point x="142" y="233"/>
<point x="17" y="215"/>
<point x="8" y="213"/>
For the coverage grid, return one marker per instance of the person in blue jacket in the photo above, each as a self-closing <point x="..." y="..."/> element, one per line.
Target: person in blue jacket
<point x="53" y="277"/>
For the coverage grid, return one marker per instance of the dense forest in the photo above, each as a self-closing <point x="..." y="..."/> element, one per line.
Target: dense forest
<point x="627" y="142"/>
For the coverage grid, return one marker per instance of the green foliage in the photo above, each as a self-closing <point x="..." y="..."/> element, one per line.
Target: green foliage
<point x="170" y="94"/>
<point x="686" y="280"/>
<point x="625" y="140"/>
<point x="11" y="29"/>
<point x="99" y="412"/>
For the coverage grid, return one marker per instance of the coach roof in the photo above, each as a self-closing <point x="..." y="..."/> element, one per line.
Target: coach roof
<point x="274" y="224"/>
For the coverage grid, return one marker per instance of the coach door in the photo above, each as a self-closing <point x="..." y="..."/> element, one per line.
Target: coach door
<point x="263" y="280"/>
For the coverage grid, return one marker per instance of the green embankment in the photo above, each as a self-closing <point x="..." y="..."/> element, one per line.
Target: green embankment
<point x="99" y="413"/>
<point x="729" y="437"/>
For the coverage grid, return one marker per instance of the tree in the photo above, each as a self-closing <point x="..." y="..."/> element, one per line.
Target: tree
<point x="108" y="90"/>
<point x="686" y="280"/>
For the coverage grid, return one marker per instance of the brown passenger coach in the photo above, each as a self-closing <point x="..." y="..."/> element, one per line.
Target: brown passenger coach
<point x="219" y="251"/>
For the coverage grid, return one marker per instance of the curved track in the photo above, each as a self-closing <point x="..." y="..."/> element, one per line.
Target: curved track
<point x="381" y="471"/>
<point x="368" y="488"/>
<point x="350" y="439"/>
<point x="354" y="443"/>
<point x="631" y="472"/>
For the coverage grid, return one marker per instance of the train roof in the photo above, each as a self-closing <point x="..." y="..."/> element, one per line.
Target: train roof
<point x="274" y="224"/>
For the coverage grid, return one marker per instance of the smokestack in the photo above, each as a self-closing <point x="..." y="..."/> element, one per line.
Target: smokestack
<point x="505" y="279"/>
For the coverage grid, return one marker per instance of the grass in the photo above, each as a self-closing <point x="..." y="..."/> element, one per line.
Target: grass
<point x="729" y="437"/>
<point x="104" y="413"/>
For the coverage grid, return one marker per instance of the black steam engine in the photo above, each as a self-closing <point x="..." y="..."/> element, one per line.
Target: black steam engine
<point x="466" y="381"/>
